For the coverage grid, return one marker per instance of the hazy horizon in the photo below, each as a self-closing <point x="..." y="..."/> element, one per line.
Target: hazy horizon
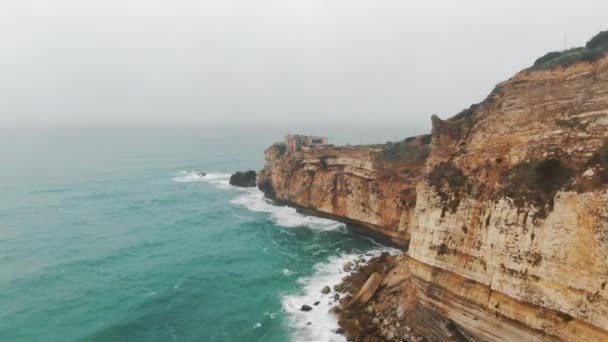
<point x="283" y="63"/>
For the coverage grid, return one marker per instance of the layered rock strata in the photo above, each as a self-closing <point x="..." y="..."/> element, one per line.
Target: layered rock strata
<point x="504" y="214"/>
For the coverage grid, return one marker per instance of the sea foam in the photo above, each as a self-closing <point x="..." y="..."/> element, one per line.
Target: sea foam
<point x="318" y="324"/>
<point x="284" y="216"/>
<point x="220" y="180"/>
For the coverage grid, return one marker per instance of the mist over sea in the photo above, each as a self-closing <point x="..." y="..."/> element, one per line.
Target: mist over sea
<point x="104" y="236"/>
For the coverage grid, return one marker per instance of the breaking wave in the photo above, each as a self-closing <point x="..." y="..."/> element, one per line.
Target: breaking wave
<point x="218" y="179"/>
<point x="318" y="324"/>
<point x="284" y="216"/>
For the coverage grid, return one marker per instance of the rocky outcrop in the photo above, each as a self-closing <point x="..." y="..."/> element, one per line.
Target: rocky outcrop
<point x="245" y="179"/>
<point x="504" y="215"/>
<point x="370" y="188"/>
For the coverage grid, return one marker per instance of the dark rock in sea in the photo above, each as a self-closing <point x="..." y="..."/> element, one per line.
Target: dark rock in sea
<point x="202" y="174"/>
<point x="244" y="179"/>
<point x="306" y="307"/>
<point x="316" y="303"/>
<point x="309" y="323"/>
<point x="339" y="331"/>
<point x="325" y="290"/>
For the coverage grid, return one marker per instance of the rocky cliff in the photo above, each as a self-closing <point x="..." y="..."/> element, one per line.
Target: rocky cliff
<point x="503" y="213"/>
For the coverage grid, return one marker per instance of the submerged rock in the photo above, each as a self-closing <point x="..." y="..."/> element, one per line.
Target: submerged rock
<point x="245" y="179"/>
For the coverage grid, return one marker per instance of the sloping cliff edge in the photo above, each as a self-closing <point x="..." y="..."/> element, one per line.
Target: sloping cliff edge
<point x="503" y="211"/>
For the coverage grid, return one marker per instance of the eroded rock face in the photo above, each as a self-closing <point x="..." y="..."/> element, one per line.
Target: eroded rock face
<point x="506" y="218"/>
<point x="349" y="184"/>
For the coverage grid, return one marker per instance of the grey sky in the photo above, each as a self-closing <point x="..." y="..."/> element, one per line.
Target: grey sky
<point x="309" y="61"/>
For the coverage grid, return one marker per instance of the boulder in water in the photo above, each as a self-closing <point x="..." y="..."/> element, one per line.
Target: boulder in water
<point x="245" y="179"/>
<point x="306" y="307"/>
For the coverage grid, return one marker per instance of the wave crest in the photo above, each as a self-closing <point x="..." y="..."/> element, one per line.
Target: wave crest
<point x="323" y="324"/>
<point x="284" y="216"/>
<point x="218" y="179"/>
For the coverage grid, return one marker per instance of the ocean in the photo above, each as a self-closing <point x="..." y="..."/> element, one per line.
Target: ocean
<point x="105" y="236"/>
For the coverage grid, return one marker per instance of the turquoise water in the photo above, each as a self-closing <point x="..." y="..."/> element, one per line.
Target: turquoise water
<point x="104" y="237"/>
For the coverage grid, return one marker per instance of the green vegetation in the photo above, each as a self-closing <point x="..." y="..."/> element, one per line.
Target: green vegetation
<point x="535" y="182"/>
<point x="466" y="112"/>
<point x="595" y="49"/>
<point x="403" y="152"/>
<point x="446" y="173"/>
<point x="426" y="139"/>
<point x="281" y="147"/>
<point x="448" y="181"/>
<point x="599" y="40"/>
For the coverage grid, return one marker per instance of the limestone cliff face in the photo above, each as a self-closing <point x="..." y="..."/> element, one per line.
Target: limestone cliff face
<point x="348" y="184"/>
<point x="506" y="219"/>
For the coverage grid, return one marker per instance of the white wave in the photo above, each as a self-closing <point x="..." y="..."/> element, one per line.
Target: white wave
<point x="220" y="180"/>
<point x="323" y="324"/>
<point x="284" y="216"/>
<point x="287" y="272"/>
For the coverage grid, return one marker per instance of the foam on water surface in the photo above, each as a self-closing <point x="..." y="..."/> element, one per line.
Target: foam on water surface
<point x="318" y="324"/>
<point x="284" y="216"/>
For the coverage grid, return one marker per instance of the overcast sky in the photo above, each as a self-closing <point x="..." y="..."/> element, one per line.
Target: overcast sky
<point x="309" y="61"/>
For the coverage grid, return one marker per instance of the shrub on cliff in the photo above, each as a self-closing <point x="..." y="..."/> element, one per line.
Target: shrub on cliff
<point x="596" y="48"/>
<point x="535" y="182"/>
<point x="403" y="152"/>
<point x="547" y="57"/>
<point x="599" y="40"/>
<point x="426" y="139"/>
<point x="281" y="147"/>
<point x="465" y="113"/>
<point x="448" y="181"/>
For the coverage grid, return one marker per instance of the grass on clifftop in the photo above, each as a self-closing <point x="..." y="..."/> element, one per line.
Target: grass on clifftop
<point x="413" y="149"/>
<point x="595" y="49"/>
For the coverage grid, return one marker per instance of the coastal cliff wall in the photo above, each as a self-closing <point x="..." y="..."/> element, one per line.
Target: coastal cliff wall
<point x="347" y="183"/>
<point x="505" y="220"/>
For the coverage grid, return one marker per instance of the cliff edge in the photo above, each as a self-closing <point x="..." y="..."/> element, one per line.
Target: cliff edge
<point x="503" y="209"/>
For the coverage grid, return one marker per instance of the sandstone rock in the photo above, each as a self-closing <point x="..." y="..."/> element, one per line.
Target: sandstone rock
<point x="588" y="173"/>
<point x="400" y="312"/>
<point x="368" y="290"/>
<point x="325" y="290"/>
<point x="351" y="328"/>
<point x="243" y="179"/>
<point x="501" y="240"/>
<point x="335" y="310"/>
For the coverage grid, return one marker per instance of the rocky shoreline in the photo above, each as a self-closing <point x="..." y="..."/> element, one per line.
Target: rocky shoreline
<point x="364" y="302"/>
<point x="502" y="212"/>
